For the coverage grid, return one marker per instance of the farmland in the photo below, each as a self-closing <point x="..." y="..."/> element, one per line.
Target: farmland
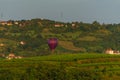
<point x="81" y="66"/>
<point x="78" y="56"/>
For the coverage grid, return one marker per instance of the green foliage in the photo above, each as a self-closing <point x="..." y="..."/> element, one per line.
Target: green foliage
<point x="73" y="37"/>
<point x="62" y="67"/>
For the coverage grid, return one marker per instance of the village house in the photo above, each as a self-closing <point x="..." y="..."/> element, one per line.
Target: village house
<point x="16" y="23"/>
<point x="110" y="51"/>
<point x="22" y="42"/>
<point x="3" y="22"/>
<point x="12" y="56"/>
<point x="8" y="23"/>
<point x="1" y="44"/>
<point x="73" y="24"/>
<point x="58" y="25"/>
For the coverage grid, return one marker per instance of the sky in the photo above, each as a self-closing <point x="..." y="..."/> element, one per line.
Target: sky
<point x="103" y="11"/>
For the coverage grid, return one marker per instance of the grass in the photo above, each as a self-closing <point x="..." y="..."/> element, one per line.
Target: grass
<point x="72" y="57"/>
<point x="69" y="45"/>
<point x="99" y="64"/>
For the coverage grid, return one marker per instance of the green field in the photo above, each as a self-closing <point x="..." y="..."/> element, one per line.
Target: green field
<point x="80" y="66"/>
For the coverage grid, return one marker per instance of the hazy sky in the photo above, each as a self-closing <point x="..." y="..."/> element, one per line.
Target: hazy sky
<point x="107" y="11"/>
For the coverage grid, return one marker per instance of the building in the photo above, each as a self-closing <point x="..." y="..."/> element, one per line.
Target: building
<point x="16" y="23"/>
<point x="3" y="22"/>
<point x="22" y="42"/>
<point x="8" y="23"/>
<point x="110" y="51"/>
<point x="12" y="56"/>
<point x="1" y="44"/>
<point x="58" y="25"/>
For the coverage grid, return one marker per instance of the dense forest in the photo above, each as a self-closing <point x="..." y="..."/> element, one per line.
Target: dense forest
<point x="29" y="37"/>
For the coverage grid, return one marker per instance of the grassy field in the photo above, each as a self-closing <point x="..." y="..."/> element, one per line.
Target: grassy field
<point x="80" y="66"/>
<point x="69" y="45"/>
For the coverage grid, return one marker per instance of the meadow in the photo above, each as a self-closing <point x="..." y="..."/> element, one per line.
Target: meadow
<point x="81" y="66"/>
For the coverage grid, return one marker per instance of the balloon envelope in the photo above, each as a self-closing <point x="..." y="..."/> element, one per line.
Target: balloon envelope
<point x="52" y="43"/>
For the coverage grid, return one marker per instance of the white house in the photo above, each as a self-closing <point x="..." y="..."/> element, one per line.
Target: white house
<point x="109" y="51"/>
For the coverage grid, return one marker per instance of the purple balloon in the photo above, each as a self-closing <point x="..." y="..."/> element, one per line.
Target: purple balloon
<point x="52" y="43"/>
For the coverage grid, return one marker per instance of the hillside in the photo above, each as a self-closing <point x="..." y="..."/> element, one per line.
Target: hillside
<point x="72" y="37"/>
<point x="62" y="67"/>
<point x="69" y="45"/>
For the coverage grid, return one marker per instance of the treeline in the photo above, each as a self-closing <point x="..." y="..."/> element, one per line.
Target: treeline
<point x="90" y="37"/>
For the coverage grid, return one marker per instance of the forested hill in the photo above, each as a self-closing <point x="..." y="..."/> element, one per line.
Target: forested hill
<point x="29" y="37"/>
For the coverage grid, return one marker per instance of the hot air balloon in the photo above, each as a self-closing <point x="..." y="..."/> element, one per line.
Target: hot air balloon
<point x="52" y="43"/>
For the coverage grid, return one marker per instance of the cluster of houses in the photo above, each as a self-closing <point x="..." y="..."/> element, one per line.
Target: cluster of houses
<point x="8" y="23"/>
<point x="10" y="56"/>
<point x="62" y="25"/>
<point x="110" y="51"/>
<point x="22" y="24"/>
